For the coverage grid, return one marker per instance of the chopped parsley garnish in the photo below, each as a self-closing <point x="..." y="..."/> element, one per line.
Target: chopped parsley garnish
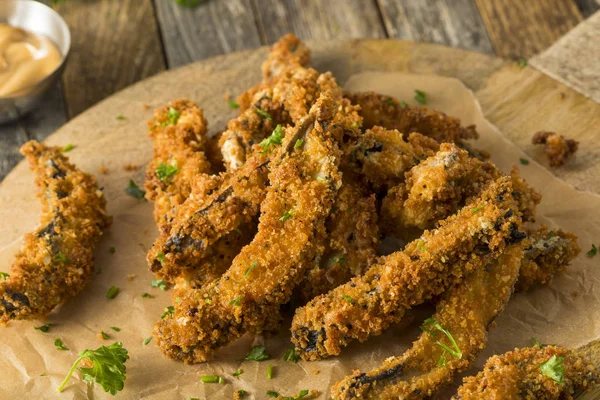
<point x="275" y="139"/>
<point x="442" y="360"/>
<point x="165" y="171"/>
<point x="173" y="116"/>
<point x="104" y="335"/>
<point x="522" y="63"/>
<point x="4" y="276"/>
<point x="241" y="392"/>
<point x="301" y="394"/>
<point x="250" y="268"/>
<point x="168" y="312"/>
<point x="321" y="179"/>
<point x="270" y="372"/>
<point x="212" y="379"/>
<point x="233" y="104"/>
<point x="134" y="190"/>
<point x="258" y="353"/>
<point x="421" y="245"/>
<point x="115" y="328"/>
<point x="121" y="117"/>
<point x="112" y="292"/>
<point x="265" y="114"/>
<point x="112" y="250"/>
<point x="348" y="298"/>
<point x="108" y="367"/>
<point x="237" y="301"/>
<point x="420" y="96"/>
<point x="147" y="340"/>
<point x="454" y="350"/>
<point x="147" y="295"/>
<point x="271" y="393"/>
<point x="298" y="143"/>
<point x="536" y="343"/>
<point x="290" y="355"/>
<point x="188" y="3"/>
<point x="403" y="104"/>
<point x="208" y="301"/>
<point x="551" y="234"/>
<point x="355" y="124"/>
<point x="59" y="345"/>
<point x="476" y="209"/>
<point x="287" y="215"/>
<point x="44" y="328"/>
<point x="238" y="372"/>
<point x="159" y="283"/>
<point x="592" y="252"/>
<point x="60" y="257"/>
<point x="554" y="369"/>
<point x="160" y="257"/>
<point x="67" y="148"/>
<point x="524" y="161"/>
<point x="390" y="101"/>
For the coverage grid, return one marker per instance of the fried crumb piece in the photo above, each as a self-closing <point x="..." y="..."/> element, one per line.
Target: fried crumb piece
<point x="316" y="372"/>
<point x="131" y="277"/>
<point x="131" y="167"/>
<point x="100" y="336"/>
<point x="103" y="170"/>
<point x="493" y="325"/>
<point x="557" y="147"/>
<point x="145" y="107"/>
<point x="575" y="293"/>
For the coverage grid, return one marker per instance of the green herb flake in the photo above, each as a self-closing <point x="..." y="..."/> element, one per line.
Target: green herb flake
<point x="290" y="355"/>
<point x="237" y="301"/>
<point x="67" y="148"/>
<point x="112" y="250"/>
<point x="432" y="322"/>
<point x="420" y="96"/>
<point x="60" y="257"/>
<point x="233" y="104"/>
<point x="165" y="171"/>
<point x="554" y="369"/>
<point x="421" y="245"/>
<point x="104" y="335"/>
<point x="275" y="139"/>
<point x="298" y="143"/>
<point x="522" y="63"/>
<point x="147" y="295"/>
<point x="134" y="190"/>
<point x="442" y="360"/>
<point x="112" y="292"/>
<point x="524" y="161"/>
<point x="168" y="312"/>
<point x="173" y="116"/>
<point x="592" y="252"/>
<point x="339" y="260"/>
<point x="241" y="392"/>
<point x="250" y="268"/>
<point x="321" y="179"/>
<point x="265" y="114"/>
<point x="59" y="345"/>
<point x="537" y="344"/>
<point x="108" y="367"/>
<point x="355" y="124"/>
<point x="551" y="234"/>
<point x="270" y="372"/>
<point x="4" y="276"/>
<point x="115" y="328"/>
<point x="390" y="101"/>
<point x="272" y="393"/>
<point x="44" y="328"/>
<point x="257" y="353"/>
<point x="208" y="301"/>
<point x="403" y="104"/>
<point x="210" y="378"/>
<point x="477" y="209"/>
<point x="160" y="257"/>
<point x="287" y="215"/>
<point x="238" y="372"/>
<point x="159" y="283"/>
<point x="147" y="340"/>
<point x="348" y="298"/>
<point x="120" y="117"/>
<point x="188" y="3"/>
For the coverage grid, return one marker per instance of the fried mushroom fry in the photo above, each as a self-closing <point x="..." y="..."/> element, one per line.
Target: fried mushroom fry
<point x="558" y="148"/>
<point x="465" y="313"/>
<point x="428" y="266"/>
<point x="303" y="183"/>
<point x="540" y="373"/>
<point x="56" y="260"/>
<point x="178" y="131"/>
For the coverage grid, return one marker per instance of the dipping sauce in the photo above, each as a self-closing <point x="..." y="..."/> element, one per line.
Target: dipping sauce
<point x="25" y="59"/>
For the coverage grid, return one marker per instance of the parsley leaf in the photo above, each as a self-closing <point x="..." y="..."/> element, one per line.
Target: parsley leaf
<point x="476" y="209"/>
<point x="104" y="335"/>
<point x="120" y="117"/>
<point x="524" y="161"/>
<point x="258" y="353"/>
<point x="108" y="367"/>
<point x="238" y="372"/>
<point x="59" y="344"/>
<point x="188" y="3"/>
<point x="165" y="171"/>
<point x="134" y="190"/>
<point x="4" y="276"/>
<point x="250" y="268"/>
<point x="241" y="392"/>
<point x="290" y="355"/>
<point x="522" y="63"/>
<point x="159" y="283"/>
<point x="160" y="257"/>
<point x="60" y="257"/>
<point x="389" y="101"/>
<point x="212" y="379"/>
<point x="115" y="328"/>
<point x="270" y="372"/>
<point x="147" y="340"/>
<point x="265" y="114"/>
<point x="592" y="252"/>
<point x="44" y="328"/>
<point x="237" y="301"/>
<point x="148" y="295"/>
<point x="275" y="139"/>
<point x="67" y="148"/>
<point x="299" y="143"/>
<point x="536" y="343"/>
<point x="554" y="369"/>
<point x="287" y="215"/>
<point x="112" y="292"/>
<point x="112" y="250"/>
<point x="173" y="115"/>
<point x="271" y="393"/>
<point x="403" y="104"/>
<point x="420" y="96"/>
<point x="169" y="312"/>
<point x="432" y="322"/>
<point x="233" y="104"/>
<point x="348" y="298"/>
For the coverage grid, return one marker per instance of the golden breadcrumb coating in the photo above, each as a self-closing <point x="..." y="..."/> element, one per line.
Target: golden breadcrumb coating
<point x="304" y="179"/>
<point x="288" y="50"/>
<point x="558" y="148"/>
<point x="56" y="260"/>
<point x="178" y="131"/>
<point x="428" y="266"/>
<point x="517" y="375"/>
<point x="465" y="312"/>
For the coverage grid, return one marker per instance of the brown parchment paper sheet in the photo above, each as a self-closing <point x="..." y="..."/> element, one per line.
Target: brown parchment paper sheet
<point x="567" y="312"/>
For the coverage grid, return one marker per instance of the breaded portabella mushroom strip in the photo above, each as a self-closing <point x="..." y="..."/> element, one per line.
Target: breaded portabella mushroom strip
<point x="304" y="179"/>
<point x="540" y="373"/>
<point x="389" y="113"/>
<point x="440" y="185"/>
<point x="178" y="131"/>
<point x="427" y="267"/>
<point x="460" y="324"/>
<point x="56" y="260"/>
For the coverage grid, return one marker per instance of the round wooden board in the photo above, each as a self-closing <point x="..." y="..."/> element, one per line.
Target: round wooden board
<point x="520" y="101"/>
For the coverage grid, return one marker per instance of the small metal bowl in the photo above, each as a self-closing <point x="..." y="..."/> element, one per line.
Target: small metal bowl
<point x="41" y="19"/>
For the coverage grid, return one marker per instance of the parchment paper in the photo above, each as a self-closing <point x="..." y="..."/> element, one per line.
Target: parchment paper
<point x="566" y="312"/>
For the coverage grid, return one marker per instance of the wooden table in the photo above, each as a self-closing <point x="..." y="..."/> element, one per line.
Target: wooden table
<point x="119" y="42"/>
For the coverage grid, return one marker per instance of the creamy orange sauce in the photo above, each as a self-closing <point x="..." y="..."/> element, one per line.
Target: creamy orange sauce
<point x="25" y="59"/>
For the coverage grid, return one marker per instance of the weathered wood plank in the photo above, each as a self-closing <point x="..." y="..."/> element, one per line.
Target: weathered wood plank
<point x="587" y="7"/>
<point x="319" y="19"/>
<point x="212" y="28"/>
<point x="114" y="44"/>
<point x="456" y="23"/>
<point x="520" y="29"/>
